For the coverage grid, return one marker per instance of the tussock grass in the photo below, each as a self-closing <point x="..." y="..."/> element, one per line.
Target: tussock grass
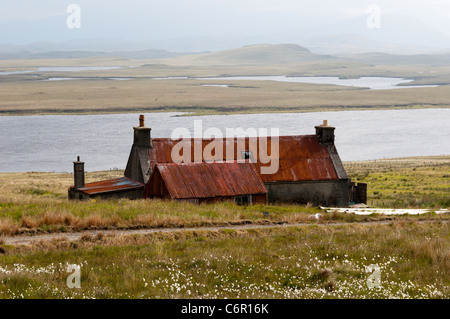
<point x="50" y="210"/>
<point x="293" y="262"/>
<point x="416" y="183"/>
<point x="8" y="226"/>
<point x="122" y="214"/>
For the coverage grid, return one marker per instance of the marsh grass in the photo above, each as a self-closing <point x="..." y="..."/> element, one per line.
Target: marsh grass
<point x="420" y="182"/>
<point x="293" y="262"/>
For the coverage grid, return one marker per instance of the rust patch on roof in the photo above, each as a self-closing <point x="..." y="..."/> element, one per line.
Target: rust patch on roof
<point x="206" y="180"/>
<point x="112" y="185"/>
<point x="300" y="158"/>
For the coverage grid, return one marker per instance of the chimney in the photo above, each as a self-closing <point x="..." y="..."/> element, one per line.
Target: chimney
<point x="325" y="133"/>
<point x="142" y="137"/>
<point x="78" y="174"/>
<point x="138" y="165"/>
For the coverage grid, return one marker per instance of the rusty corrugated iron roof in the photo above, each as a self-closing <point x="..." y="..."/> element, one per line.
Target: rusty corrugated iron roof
<point x="112" y="185"/>
<point x="206" y="180"/>
<point x="301" y="157"/>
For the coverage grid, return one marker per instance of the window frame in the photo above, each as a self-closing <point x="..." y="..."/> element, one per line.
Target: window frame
<point x="247" y="155"/>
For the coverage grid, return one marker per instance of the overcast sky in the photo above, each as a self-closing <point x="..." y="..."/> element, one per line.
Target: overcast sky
<point x="427" y="10"/>
<point x="160" y="19"/>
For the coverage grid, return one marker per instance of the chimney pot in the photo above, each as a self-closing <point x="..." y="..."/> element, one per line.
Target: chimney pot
<point x="325" y="122"/>
<point x="141" y="120"/>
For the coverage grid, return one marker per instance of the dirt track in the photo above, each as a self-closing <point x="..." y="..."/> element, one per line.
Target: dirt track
<point x="26" y="240"/>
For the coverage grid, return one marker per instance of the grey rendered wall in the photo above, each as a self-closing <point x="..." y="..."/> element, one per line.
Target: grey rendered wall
<point x="326" y="193"/>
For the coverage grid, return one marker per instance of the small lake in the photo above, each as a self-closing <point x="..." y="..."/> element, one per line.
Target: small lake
<point x="373" y="83"/>
<point x="91" y="78"/>
<point x="52" y="142"/>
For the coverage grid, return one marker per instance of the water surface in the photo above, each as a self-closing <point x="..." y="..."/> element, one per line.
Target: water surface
<point x="52" y="142"/>
<point x="373" y="83"/>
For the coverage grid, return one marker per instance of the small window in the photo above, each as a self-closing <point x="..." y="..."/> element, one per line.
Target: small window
<point x="247" y="155"/>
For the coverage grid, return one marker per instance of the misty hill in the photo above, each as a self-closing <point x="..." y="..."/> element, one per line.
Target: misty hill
<point x="395" y="30"/>
<point x="258" y="54"/>
<point x="354" y="44"/>
<point x="396" y="59"/>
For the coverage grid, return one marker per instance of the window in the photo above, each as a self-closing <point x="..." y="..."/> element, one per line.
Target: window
<point x="243" y="200"/>
<point x="247" y="155"/>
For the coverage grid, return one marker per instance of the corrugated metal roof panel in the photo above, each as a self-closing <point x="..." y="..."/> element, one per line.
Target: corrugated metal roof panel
<point x="112" y="185"/>
<point x="204" y="180"/>
<point x="301" y="157"/>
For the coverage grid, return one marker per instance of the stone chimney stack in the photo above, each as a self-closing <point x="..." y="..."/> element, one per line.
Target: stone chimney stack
<point x="325" y="133"/>
<point x="138" y="166"/>
<point x="142" y="136"/>
<point x="78" y="174"/>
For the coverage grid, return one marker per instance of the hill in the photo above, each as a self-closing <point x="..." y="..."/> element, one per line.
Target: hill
<point x="378" y="58"/>
<point x="258" y="54"/>
<point x="80" y="54"/>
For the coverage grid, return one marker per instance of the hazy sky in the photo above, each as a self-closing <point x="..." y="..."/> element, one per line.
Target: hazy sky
<point x="428" y="10"/>
<point x="136" y="20"/>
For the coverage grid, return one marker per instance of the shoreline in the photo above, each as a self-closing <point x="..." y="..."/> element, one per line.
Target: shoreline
<point x="217" y="110"/>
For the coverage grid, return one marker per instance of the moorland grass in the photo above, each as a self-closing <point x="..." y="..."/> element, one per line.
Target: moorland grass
<point x="293" y="262"/>
<point x="421" y="182"/>
<point x="37" y="202"/>
<point x="290" y="262"/>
